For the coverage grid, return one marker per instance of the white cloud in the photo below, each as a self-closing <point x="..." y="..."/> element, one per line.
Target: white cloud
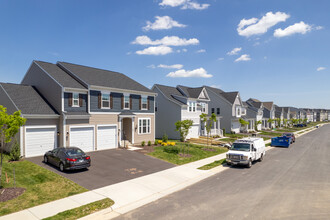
<point x="162" y="23"/>
<point x="152" y="66"/>
<point x="167" y="40"/>
<point x="234" y="51"/>
<point x="253" y="26"/>
<point x="244" y="57"/>
<point x="174" y="66"/>
<point x="221" y="58"/>
<point x="319" y="28"/>
<point x="201" y="72"/>
<point x="185" y="4"/>
<point x="184" y="50"/>
<point x="297" y="28"/>
<point x="158" y="50"/>
<point x="201" y="51"/>
<point x="320" y="68"/>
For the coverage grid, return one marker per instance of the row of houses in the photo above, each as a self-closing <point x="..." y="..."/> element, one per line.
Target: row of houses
<point x="67" y="104"/>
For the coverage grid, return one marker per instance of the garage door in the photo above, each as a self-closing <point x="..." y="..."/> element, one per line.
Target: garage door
<point x="106" y="137"/>
<point x="82" y="137"/>
<point x="39" y="140"/>
<point x="193" y="132"/>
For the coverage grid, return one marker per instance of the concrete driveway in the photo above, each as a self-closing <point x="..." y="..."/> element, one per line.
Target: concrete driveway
<point x="110" y="167"/>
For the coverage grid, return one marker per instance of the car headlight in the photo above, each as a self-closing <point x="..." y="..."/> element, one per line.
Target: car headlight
<point x="245" y="157"/>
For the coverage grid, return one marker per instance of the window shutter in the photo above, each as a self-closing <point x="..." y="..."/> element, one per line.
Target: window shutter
<point x="70" y="99"/>
<point x="111" y="101"/>
<point x="148" y="107"/>
<point x="140" y="100"/>
<point x="80" y="100"/>
<point x="130" y="102"/>
<point x="122" y="102"/>
<point x="100" y="100"/>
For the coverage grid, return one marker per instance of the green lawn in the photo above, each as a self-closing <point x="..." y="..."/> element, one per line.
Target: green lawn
<point x="41" y="186"/>
<point x="235" y="135"/>
<point x="212" y="165"/>
<point x="82" y="210"/>
<point x="269" y="133"/>
<point x="228" y="140"/>
<point x="196" y="152"/>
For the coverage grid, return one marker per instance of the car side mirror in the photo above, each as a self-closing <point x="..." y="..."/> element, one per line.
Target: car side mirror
<point x="254" y="149"/>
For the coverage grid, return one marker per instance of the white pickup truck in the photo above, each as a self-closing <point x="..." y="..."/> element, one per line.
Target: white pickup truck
<point x="245" y="151"/>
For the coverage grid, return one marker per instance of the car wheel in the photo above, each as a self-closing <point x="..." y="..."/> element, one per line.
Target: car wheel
<point x="61" y="167"/>
<point x="228" y="163"/>
<point x="261" y="158"/>
<point x="249" y="164"/>
<point x="45" y="159"/>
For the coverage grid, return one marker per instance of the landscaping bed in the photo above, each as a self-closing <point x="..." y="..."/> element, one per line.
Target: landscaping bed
<point x="182" y="154"/>
<point x="41" y="186"/>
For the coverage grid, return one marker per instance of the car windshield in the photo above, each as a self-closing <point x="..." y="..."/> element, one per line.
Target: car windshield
<point x="287" y="134"/>
<point x="74" y="152"/>
<point x="240" y="147"/>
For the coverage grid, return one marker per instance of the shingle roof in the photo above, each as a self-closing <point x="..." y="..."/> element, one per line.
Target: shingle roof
<point x="229" y="96"/>
<point x="169" y="91"/>
<point x="28" y="100"/>
<point x="104" y="78"/>
<point x="191" y="92"/>
<point x="59" y="75"/>
<point x="268" y="105"/>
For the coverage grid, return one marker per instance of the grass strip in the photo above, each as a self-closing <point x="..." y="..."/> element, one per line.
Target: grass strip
<point x="82" y="210"/>
<point x="212" y="165"/>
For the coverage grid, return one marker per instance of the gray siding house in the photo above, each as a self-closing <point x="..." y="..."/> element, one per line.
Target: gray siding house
<point x="93" y="109"/>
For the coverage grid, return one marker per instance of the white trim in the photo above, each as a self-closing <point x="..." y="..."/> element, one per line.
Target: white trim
<point x="9" y="97"/>
<point x="116" y="113"/>
<point x="89" y="100"/>
<point x="73" y="99"/>
<point x="36" y="127"/>
<point x="135" y="92"/>
<point x="129" y="104"/>
<point x="109" y="125"/>
<point x="40" y="116"/>
<point x="68" y="89"/>
<point x="144" y="97"/>
<point x="78" y="116"/>
<point x="133" y="129"/>
<point x="147" y="129"/>
<point x="21" y="141"/>
<point x="64" y="131"/>
<point x="105" y="93"/>
<point x="62" y="99"/>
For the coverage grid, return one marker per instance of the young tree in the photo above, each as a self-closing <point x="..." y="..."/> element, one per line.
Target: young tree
<point x="243" y="122"/>
<point x="9" y="126"/>
<point x="257" y="123"/>
<point x="208" y="121"/>
<point x="278" y="120"/>
<point x="183" y="128"/>
<point x="285" y="122"/>
<point x="270" y="121"/>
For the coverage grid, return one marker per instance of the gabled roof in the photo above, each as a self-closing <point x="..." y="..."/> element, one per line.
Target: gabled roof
<point x="268" y="105"/>
<point x="103" y="78"/>
<point x="28" y="99"/>
<point x="229" y="96"/>
<point x="169" y="92"/>
<point x="59" y="75"/>
<point x="191" y="92"/>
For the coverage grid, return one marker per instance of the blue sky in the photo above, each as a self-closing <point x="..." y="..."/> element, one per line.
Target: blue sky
<point x="281" y="55"/>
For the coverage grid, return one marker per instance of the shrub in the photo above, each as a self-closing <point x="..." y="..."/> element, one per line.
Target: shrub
<point x="143" y="143"/>
<point x="15" y="152"/>
<point x="149" y="143"/>
<point x="171" y="143"/>
<point x="171" y="150"/>
<point x="165" y="138"/>
<point x="164" y="144"/>
<point x="224" y="131"/>
<point x="156" y="142"/>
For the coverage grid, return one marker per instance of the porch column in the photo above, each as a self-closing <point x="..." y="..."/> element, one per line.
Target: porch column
<point x="133" y="129"/>
<point x="119" y="130"/>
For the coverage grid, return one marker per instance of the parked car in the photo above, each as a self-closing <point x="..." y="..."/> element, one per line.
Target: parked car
<point x="245" y="151"/>
<point x="70" y="158"/>
<point x="293" y="137"/>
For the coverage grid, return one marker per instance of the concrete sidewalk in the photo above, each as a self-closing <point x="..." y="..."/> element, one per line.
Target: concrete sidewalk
<point x="131" y="194"/>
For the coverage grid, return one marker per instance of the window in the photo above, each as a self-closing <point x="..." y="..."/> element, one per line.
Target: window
<point x="105" y="100"/>
<point x="218" y="111"/>
<point x="191" y="106"/>
<point x="126" y="102"/>
<point x="238" y="111"/>
<point x="144" y="103"/>
<point x="75" y="99"/>
<point x="144" y="126"/>
<point x="203" y="105"/>
<point x="194" y="106"/>
<point x="212" y="110"/>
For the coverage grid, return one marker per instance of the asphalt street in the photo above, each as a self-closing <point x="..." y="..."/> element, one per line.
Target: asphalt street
<point x="290" y="183"/>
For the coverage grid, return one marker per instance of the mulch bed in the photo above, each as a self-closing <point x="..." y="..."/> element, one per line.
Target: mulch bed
<point x="10" y="193"/>
<point x="146" y="149"/>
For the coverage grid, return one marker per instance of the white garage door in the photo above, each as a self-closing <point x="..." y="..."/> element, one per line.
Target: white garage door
<point x="39" y="140"/>
<point x="82" y="137"/>
<point x="106" y="137"/>
<point x="193" y="132"/>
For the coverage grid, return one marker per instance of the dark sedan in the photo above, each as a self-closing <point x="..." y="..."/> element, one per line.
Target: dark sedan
<point x="70" y="158"/>
<point x="293" y="137"/>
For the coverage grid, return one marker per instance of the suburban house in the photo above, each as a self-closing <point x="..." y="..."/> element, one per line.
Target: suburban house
<point x="286" y="113"/>
<point x="75" y="105"/>
<point x="279" y="114"/>
<point x="268" y="113"/>
<point x="229" y="106"/>
<point x="254" y="113"/>
<point x="309" y="114"/>
<point x="321" y="115"/>
<point x="181" y="103"/>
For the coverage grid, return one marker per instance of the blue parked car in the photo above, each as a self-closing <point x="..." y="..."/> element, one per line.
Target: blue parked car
<point x="283" y="141"/>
